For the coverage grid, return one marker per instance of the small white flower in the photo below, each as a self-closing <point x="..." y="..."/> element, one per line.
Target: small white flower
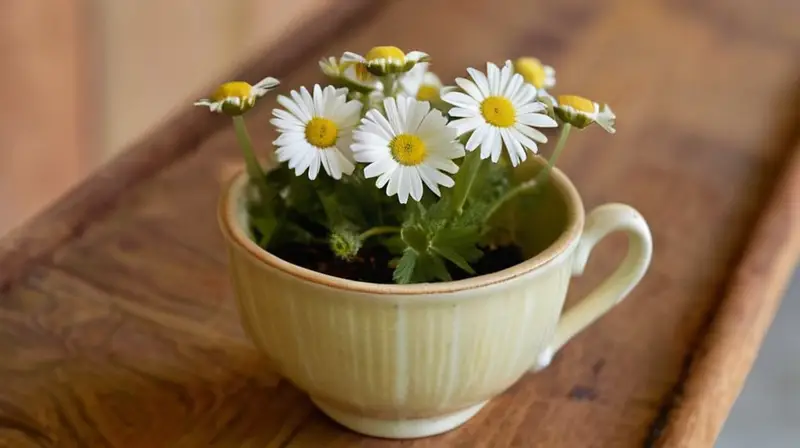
<point x="351" y="74"/>
<point x="422" y="84"/>
<point x="386" y="59"/>
<point x="236" y="97"/>
<point x="500" y="109"/>
<point x="316" y="130"/>
<point x="410" y="146"/>
<point x="581" y="112"/>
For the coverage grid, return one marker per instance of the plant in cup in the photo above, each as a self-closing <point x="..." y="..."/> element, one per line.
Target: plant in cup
<point x="386" y="175"/>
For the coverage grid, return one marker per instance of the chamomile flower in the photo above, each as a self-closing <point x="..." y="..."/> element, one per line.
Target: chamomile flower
<point x="541" y="76"/>
<point x="581" y="112"/>
<point x="499" y="110"/>
<point x="422" y="84"/>
<point x="237" y="97"/>
<point x="384" y="60"/>
<point x="316" y="130"/>
<point x="407" y="148"/>
<point x="351" y="74"/>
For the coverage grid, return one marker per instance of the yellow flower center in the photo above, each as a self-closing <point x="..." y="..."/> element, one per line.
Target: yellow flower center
<point x="578" y="103"/>
<point x="427" y="92"/>
<point x="408" y="149"/>
<point x="385" y="52"/>
<point x="498" y="111"/>
<point x="321" y="132"/>
<point x="238" y="89"/>
<point x="531" y="70"/>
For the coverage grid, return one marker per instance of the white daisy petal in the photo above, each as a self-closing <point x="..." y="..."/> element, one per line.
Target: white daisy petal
<point x="416" y="183"/>
<point x="326" y="164"/>
<point x="437" y="176"/>
<point x="303" y="98"/>
<point x="319" y="100"/>
<point x="476" y="138"/>
<point x="295" y="109"/>
<point x="416" y="56"/>
<point x="471" y="88"/>
<point x="427" y="176"/>
<point x="533" y="107"/>
<point x="510" y="149"/>
<point x="390" y="104"/>
<point x="286" y="125"/>
<point x="493" y="73"/>
<point x="480" y="80"/>
<point x="379" y="166"/>
<point x="524" y="95"/>
<point x="505" y="77"/>
<point x="461" y="100"/>
<point x="461" y="112"/>
<point x="464" y="125"/>
<point x="490" y="141"/>
<point x="539" y="120"/>
<point x="513" y="86"/>
<point x="313" y="168"/>
<point x="443" y="164"/>
<point x="382" y="122"/>
<point x="352" y="57"/>
<point x="516" y="146"/>
<point x="521" y="133"/>
<point x="384" y="178"/>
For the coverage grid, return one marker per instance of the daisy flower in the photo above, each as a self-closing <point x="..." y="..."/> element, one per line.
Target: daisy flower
<point x="541" y="76"/>
<point x="316" y="130"/>
<point x="351" y="74"/>
<point x="384" y="60"/>
<point x="581" y="112"/>
<point x="499" y="110"/>
<point x="407" y="148"/>
<point x="237" y="97"/>
<point x="422" y="84"/>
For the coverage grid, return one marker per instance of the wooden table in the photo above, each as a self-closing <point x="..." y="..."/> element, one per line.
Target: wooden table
<point x="117" y="321"/>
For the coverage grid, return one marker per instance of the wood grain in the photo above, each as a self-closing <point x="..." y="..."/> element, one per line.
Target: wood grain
<point x="118" y="324"/>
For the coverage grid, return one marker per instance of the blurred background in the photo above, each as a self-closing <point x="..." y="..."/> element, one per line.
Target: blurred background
<point x="83" y="80"/>
<point x="87" y="78"/>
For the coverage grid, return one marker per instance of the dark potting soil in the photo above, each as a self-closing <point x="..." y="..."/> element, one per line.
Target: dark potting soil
<point x="372" y="263"/>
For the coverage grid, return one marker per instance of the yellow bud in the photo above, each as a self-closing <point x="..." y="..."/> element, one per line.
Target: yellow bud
<point x="385" y="52"/>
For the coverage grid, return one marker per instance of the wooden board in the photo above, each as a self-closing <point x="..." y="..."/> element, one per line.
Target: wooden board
<point x="117" y="321"/>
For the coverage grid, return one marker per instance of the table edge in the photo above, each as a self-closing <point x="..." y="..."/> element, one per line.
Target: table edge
<point x="717" y="368"/>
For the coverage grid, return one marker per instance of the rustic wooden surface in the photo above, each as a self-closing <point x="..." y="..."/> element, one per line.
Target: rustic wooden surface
<point x="117" y="323"/>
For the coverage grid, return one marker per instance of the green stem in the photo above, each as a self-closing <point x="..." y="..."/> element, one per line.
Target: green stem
<point x="252" y="166"/>
<point x="562" y="141"/>
<point x="380" y="230"/>
<point x="533" y="183"/>
<point x="389" y="85"/>
<point x="465" y="178"/>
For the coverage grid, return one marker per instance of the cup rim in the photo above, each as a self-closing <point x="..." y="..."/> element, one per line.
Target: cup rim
<point x="229" y="209"/>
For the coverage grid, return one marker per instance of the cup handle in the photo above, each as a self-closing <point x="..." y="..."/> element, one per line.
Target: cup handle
<point x="602" y="221"/>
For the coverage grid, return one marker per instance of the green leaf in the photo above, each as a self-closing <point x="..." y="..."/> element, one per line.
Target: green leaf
<point x="266" y="225"/>
<point x="458" y="245"/>
<point x="466" y="175"/>
<point x="416" y="238"/>
<point x="404" y="272"/>
<point x="430" y="264"/>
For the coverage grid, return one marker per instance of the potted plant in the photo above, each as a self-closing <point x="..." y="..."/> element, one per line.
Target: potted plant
<point x="407" y="256"/>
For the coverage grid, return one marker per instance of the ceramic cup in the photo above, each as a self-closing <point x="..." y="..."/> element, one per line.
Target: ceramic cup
<point x="406" y="361"/>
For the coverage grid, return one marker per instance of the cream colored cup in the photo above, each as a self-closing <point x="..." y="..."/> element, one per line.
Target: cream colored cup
<point x="405" y="361"/>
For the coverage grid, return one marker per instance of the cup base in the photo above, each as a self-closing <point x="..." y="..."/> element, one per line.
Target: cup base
<point x="400" y="429"/>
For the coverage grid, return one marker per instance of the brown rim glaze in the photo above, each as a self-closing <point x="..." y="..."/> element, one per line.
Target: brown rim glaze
<point x="228" y="213"/>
